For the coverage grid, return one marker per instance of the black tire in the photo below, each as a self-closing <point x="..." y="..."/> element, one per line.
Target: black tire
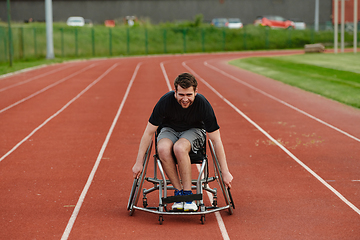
<point x="220" y="180"/>
<point x="202" y="219"/>
<point x="138" y="182"/>
<point x="132" y="193"/>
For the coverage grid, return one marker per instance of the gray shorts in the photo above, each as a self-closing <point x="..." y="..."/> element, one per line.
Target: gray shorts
<point x="196" y="136"/>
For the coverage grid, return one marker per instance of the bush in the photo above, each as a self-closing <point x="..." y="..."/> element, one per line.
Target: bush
<point x="29" y="41"/>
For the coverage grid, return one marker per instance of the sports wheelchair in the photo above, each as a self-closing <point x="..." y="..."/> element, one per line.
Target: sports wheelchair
<point x="163" y="185"/>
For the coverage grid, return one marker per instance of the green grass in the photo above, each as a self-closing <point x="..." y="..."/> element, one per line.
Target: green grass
<point x="335" y="76"/>
<point x="20" y="65"/>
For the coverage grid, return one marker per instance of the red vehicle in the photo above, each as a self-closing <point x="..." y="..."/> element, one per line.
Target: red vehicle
<point x="274" y="22"/>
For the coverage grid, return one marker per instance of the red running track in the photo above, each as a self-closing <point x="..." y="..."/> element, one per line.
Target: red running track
<point x="70" y="133"/>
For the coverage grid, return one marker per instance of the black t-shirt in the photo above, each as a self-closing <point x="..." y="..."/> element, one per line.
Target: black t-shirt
<point x="169" y="113"/>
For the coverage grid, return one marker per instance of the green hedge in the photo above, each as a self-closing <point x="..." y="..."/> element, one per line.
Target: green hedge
<point x="29" y="41"/>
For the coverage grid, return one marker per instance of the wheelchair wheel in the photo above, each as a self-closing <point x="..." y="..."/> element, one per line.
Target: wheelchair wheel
<point x="219" y="178"/>
<point x="132" y="193"/>
<point x="137" y="184"/>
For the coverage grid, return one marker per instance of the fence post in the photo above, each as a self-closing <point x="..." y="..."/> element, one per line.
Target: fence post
<point x="10" y="37"/>
<point x="93" y="41"/>
<point x="128" y="40"/>
<point x="146" y="41"/>
<point x="76" y="42"/>
<point x="165" y="41"/>
<point x="224" y="39"/>
<point x="184" y="38"/>
<point x="62" y="42"/>
<point x="267" y="37"/>
<point x="244" y="38"/>
<point x="110" y="42"/>
<point x="21" y="43"/>
<point x="5" y="46"/>
<point x="203" y="39"/>
<point x="289" y="37"/>
<point x="35" y="43"/>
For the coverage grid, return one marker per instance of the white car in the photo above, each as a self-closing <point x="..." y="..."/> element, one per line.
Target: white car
<point x="75" y="21"/>
<point x="299" y="24"/>
<point x="234" y="23"/>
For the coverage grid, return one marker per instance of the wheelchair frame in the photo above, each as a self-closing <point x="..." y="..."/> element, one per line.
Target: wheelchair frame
<point x="162" y="185"/>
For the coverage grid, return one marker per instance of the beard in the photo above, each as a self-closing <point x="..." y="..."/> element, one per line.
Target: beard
<point x="186" y="104"/>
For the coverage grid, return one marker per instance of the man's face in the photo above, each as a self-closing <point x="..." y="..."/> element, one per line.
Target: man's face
<point x="185" y="97"/>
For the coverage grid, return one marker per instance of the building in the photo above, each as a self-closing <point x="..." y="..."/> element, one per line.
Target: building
<point x="349" y="11"/>
<point x="167" y="10"/>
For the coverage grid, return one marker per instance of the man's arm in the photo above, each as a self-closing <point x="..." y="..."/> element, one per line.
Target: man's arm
<point x="220" y="153"/>
<point x="144" y="144"/>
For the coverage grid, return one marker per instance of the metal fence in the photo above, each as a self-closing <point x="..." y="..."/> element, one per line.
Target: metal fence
<point x="77" y="42"/>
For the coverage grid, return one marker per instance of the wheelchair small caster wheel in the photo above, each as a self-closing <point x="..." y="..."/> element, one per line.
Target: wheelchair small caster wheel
<point x="161" y="219"/>
<point x="202" y="219"/>
<point x="145" y="204"/>
<point x="214" y="202"/>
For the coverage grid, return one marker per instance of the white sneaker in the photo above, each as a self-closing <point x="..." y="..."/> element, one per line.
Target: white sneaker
<point x="178" y="206"/>
<point x="190" y="206"/>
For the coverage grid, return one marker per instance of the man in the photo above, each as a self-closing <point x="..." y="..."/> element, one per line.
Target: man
<point x="185" y="116"/>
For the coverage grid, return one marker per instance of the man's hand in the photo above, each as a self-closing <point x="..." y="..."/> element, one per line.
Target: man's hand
<point x="227" y="177"/>
<point x="144" y="144"/>
<point x="220" y="153"/>
<point x="137" y="169"/>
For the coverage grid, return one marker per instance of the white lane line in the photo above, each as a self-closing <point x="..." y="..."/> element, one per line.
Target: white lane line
<point x="166" y="76"/>
<point x="347" y="202"/>
<point x="280" y="101"/>
<point x="35" y="77"/>
<point x="219" y="219"/>
<point x="98" y="160"/>
<point x="46" y="88"/>
<point x="57" y="113"/>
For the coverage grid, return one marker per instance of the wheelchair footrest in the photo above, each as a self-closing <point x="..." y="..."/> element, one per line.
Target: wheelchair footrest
<point x="187" y="198"/>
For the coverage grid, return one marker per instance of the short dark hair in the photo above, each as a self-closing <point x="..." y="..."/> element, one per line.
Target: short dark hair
<point x="185" y="80"/>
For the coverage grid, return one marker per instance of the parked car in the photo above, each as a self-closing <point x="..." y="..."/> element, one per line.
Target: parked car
<point x="299" y="24"/>
<point x="220" y="22"/>
<point x="274" y="22"/>
<point x="235" y="23"/>
<point x="227" y="22"/>
<point x="75" y="21"/>
<point x="88" y="22"/>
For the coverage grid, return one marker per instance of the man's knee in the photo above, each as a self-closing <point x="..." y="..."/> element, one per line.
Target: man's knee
<point x="181" y="148"/>
<point x="164" y="149"/>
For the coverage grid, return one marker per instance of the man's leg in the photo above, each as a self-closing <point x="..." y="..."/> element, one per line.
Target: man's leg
<point x="181" y="150"/>
<point x="165" y="148"/>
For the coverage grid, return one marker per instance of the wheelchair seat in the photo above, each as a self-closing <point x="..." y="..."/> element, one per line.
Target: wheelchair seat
<point x="196" y="158"/>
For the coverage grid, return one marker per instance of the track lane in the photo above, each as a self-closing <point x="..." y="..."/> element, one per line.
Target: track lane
<point x="17" y="80"/>
<point x="320" y="106"/>
<point x="281" y="118"/>
<point x="43" y="89"/>
<point x="24" y="117"/>
<point x="116" y="170"/>
<point x="266" y="193"/>
<point x="339" y="144"/>
<point x="55" y="163"/>
<point x="16" y="91"/>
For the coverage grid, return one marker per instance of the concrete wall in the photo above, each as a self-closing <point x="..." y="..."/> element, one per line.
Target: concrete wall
<point x="171" y="10"/>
